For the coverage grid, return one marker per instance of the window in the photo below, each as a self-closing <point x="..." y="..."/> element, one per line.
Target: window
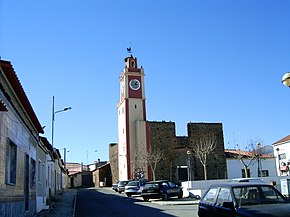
<point x="247" y="195"/>
<point x="33" y="173"/>
<point x="171" y="184"/>
<point x="248" y="173"/>
<point x="210" y="195"/>
<point x="282" y="156"/>
<point x="11" y="163"/>
<point x="39" y="172"/>
<point x="271" y="195"/>
<point x="265" y="173"/>
<point x="224" y="196"/>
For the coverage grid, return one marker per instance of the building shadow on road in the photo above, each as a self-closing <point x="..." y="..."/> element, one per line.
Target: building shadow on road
<point x="92" y="202"/>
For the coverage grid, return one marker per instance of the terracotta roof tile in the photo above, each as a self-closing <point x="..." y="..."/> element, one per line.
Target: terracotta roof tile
<point x="18" y="89"/>
<point x="230" y="153"/>
<point x="285" y="139"/>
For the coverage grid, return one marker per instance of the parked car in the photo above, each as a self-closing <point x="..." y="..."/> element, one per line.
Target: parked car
<point x="121" y="185"/>
<point x="161" y="189"/>
<point x="243" y="199"/>
<point x="135" y="187"/>
<point x="115" y="187"/>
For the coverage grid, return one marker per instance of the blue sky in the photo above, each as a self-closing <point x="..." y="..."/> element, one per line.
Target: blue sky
<point x="205" y="61"/>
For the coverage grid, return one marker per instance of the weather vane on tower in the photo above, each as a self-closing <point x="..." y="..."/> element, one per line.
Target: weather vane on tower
<point x="129" y="50"/>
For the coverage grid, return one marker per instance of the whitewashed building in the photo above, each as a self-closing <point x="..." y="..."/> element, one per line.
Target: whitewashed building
<point x="282" y="154"/>
<point x="266" y="163"/>
<point x="19" y="137"/>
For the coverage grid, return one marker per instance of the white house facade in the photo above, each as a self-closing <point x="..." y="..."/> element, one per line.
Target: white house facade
<point x="266" y="164"/>
<point x="282" y="154"/>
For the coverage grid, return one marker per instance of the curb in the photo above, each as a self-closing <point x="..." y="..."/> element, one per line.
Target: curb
<point x="74" y="205"/>
<point x="175" y="202"/>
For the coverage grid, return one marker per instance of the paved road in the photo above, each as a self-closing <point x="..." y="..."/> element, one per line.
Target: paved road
<point x="92" y="202"/>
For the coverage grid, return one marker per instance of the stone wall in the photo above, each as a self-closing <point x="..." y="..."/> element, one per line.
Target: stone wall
<point x="113" y="156"/>
<point x="216" y="166"/>
<point x="163" y="137"/>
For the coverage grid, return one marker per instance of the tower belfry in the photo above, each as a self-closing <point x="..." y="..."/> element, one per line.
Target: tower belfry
<point x="131" y="120"/>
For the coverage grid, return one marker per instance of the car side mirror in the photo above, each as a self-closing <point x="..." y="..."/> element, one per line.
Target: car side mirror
<point x="229" y="205"/>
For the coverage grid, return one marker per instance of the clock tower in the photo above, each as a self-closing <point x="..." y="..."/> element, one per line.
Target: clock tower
<point x="132" y="133"/>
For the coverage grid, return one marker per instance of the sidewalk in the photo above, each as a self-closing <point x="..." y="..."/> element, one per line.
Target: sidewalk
<point x="176" y="201"/>
<point x="63" y="206"/>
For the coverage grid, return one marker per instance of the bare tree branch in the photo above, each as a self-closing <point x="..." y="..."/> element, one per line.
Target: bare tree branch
<point x="202" y="147"/>
<point x="247" y="157"/>
<point x="151" y="158"/>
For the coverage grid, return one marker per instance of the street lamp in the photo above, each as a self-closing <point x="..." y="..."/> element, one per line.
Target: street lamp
<point x="188" y="168"/>
<point x="53" y="118"/>
<point x="286" y="79"/>
<point x="278" y="158"/>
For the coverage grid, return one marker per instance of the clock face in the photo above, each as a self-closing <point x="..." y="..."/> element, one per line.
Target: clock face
<point x="134" y="84"/>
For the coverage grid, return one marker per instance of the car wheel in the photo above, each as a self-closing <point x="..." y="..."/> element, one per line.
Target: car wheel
<point x="165" y="196"/>
<point x="128" y="195"/>
<point x="146" y="199"/>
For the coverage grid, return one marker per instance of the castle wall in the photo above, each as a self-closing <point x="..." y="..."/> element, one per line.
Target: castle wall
<point x="163" y="137"/>
<point x="113" y="156"/>
<point x="216" y="168"/>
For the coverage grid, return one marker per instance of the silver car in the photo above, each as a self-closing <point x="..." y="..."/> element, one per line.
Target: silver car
<point x="121" y="185"/>
<point x="134" y="187"/>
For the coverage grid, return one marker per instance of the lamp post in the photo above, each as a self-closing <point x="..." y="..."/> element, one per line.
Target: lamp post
<point x="188" y="168"/>
<point x="278" y="158"/>
<point x="53" y="118"/>
<point x="286" y="79"/>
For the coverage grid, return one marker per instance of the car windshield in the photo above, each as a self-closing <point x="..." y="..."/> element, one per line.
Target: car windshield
<point x="253" y="195"/>
<point x="123" y="182"/>
<point x="133" y="183"/>
<point x="152" y="184"/>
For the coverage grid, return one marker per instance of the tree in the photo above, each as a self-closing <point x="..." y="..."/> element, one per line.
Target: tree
<point x="202" y="147"/>
<point x="247" y="157"/>
<point x="153" y="158"/>
<point x="139" y="163"/>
